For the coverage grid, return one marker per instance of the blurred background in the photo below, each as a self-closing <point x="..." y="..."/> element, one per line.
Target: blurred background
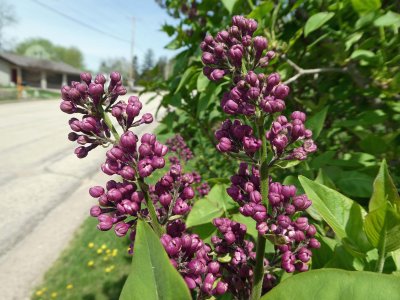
<point x="340" y="58"/>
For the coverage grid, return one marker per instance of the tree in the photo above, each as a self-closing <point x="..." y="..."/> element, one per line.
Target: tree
<point x="42" y="48"/>
<point x="148" y="61"/>
<point x="7" y="18"/>
<point x="120" y="64"/>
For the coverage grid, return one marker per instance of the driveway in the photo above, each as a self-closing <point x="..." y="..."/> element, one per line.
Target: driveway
<point x="43" y="189"/>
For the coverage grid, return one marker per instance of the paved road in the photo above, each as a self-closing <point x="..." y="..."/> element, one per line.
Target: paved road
<point x="43" y="190"/>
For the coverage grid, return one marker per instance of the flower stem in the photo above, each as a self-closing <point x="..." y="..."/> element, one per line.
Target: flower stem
<point x="108" y="123"/>
<point x="381" y="252"/>
<point x="150" y="206"/>
<point x="261" y="240"/>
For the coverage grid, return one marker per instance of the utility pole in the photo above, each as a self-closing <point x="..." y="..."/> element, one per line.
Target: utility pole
<point x="132" y="71"/>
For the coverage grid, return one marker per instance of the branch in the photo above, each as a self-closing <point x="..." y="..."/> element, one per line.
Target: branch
<point x="301" y="71"/>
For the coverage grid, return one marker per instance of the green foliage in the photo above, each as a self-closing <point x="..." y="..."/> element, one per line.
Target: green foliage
<point x="316" y="21"/>
<point x="43" y="48"/>
<point x="152" y="275"/>
<point x="333" y="284"/>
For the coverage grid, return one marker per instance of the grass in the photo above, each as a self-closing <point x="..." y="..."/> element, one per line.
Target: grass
<point x="94" y="266"/>
<point x="11" y="93"/>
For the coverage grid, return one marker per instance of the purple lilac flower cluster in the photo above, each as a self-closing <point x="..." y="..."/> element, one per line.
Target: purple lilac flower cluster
<point x="282" y="220"/>
<point x="193" y="259"/>
<point x="225" y="53"/>
<point x="256" y="91"/>
<point x="255" y="97"/>
<point x="127" y="160"/>
<point x="231" y="243"/>
<point x="284" y="133"/>
<point x="235" y="137"/>
<point x="178" y="145"/>
<point x="86" y="98"/>
<point x="119" y="206"/>
<point x="174" y="192"/>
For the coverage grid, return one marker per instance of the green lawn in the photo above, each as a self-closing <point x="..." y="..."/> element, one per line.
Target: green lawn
<point x="94" y="266"/>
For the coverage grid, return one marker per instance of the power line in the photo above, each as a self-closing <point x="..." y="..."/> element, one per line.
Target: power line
<point x="80" y="22"/>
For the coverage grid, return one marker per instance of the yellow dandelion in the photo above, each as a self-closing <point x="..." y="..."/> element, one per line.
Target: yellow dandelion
<point x="91" y="245"/>
<point x="39" y="293"/>
<point x="90" y="263"/>
<point x="99" y="251"/>
<point x="105" y="258"/>
<point x="108" y="251"/>
<point x="115" y="252"/>
<point x="54" y="295"/>
<point x="104" y="246"/>
<point x="70" y="286"/>
<point x="107" y="270"/>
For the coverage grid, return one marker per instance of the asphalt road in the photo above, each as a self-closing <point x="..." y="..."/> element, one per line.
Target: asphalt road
<point x="43" y="188"/>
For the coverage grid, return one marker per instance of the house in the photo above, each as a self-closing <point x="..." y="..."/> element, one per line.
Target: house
<point x="30" y="71"/>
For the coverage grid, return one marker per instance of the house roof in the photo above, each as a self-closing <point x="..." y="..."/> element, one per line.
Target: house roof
<point x="39" y="64"/>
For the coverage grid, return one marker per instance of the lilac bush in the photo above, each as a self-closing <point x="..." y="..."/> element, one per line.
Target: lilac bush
<point x="259" y="137"/>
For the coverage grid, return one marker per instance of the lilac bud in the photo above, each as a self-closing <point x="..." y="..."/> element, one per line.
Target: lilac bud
<point x="313" y="243"/>
<point x="230" y="107"/>
<point x="262" y="228"/>
<point x="127" y="173"/>
<point x="288" y="191"/>
<point x="95" y="211"/>
<point x="298" y="115"/>
<point x="86" y="77"/>
<point x="115" y="77"/>
<point x="208" y="58"/>
<point x="165" y="199"/>
<point x="301" y="267"/>
<point x="188" y="193"/>
<point x="100" y="79"/>
<point x="273" y="79"/>
<point x="81" y="152"/>
<point x="281" y="91"/>
<point x="173" y="246"/>
<point x="160" y="149"/>
<point x="255" y="197"/>
<point x="283" y="221"/>
<point x="302" y="223"/>
<point x="309" y="146"/>
<point x="96" y="191"/>
<point x="311" y="231"/>
<point x="145" y="150"/>
<point x="260" y="44"/>
<point x="121" y="229"/>
<point x="217" y="75"/>
<point x="128" y="140"/>
<point x="224" y="145"/>
<point x="304" y="254"/>
<point x="96" y="90"/>
<point x="72" y="136"/>
<point x="221" y="288"/>
<point x="147" y="118"/>
<point x="190" y="282"/>
<point x="235" y="54"/>
<point x="105" y="222"/>
<point x="148" y="138"/>
<point x="252" y="79"/>
<point x="67" y="107"/>
<point x="213" y="267"/>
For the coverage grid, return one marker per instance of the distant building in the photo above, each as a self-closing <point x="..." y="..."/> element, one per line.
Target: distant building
<point x="35" y="72"/>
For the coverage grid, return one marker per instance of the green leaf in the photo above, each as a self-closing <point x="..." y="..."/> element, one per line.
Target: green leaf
<point x="382" y="227"/>
<point x="219" y="195"/>
<point x="364" y="6"/>
<point x="316" y="122"/>
<point x="229" y="5"/>
<point x="262" y="10"/>
<point x="249" y="222"/>
<point x="384" y="190"/>
<point x="334" y="284"/>
<point x="355" y="184"/>
<point x="388" y="19"/>
<point x="316" y="21"/>
<point x="152" y="276"/>
<point x="362" y="54"/>
<point x="204" y="211"/>
<point x="324" y="179"/>
<point x="285" y="164"/>
<point x="355" y="37"/>
<point x="342" y="214"/>
<point x="202" y="82"/>
<point x="382" y="224"/>
<point x="373" y="144"/>
<point x="186" y="77"/>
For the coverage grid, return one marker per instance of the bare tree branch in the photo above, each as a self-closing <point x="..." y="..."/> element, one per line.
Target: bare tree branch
<point x="300" y="71"/>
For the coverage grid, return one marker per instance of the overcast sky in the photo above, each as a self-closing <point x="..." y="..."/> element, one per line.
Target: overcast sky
<point x="114" y="17"/>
